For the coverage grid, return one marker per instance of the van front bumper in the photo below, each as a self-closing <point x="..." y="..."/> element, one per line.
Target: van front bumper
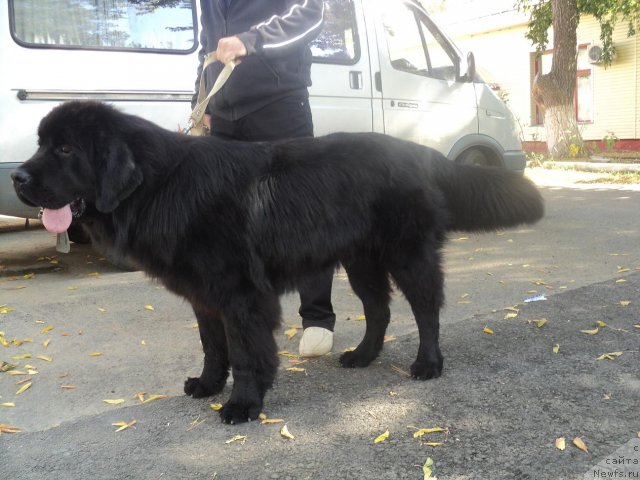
<point x="514" y="160"/>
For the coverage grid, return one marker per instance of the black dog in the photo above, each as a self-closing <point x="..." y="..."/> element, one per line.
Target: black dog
<point x="230" y="226"/>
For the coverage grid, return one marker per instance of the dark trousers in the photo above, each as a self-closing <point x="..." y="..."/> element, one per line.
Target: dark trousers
<point x="288" y="117"/>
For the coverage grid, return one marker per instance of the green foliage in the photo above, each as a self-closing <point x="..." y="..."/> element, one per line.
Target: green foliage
<point x="610" y="140"/>
<point x="607" y="12"/>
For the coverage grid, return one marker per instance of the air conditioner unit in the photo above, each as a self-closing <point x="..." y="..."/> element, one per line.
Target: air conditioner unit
<point x="595" y="54"/>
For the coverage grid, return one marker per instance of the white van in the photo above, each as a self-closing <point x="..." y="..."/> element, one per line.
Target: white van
<point x="379" y="66"/>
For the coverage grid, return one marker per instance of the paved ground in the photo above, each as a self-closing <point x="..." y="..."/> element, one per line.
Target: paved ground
<point x="503" y="400"/>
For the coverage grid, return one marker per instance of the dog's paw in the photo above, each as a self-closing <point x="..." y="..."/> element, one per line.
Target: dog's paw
<point x="195" y="387"/>
<point x="355" y="359"/>
<point x="426" y="370"/>
<point x="236" y="412"/>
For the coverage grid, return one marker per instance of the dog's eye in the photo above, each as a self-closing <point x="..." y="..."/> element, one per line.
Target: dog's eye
<point x="65" y="150"/>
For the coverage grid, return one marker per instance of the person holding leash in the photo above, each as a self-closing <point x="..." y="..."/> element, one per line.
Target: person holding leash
<point x="267" y="99"/>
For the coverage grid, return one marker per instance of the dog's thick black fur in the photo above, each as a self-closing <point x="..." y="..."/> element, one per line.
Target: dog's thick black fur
<point x="230" y="226"/>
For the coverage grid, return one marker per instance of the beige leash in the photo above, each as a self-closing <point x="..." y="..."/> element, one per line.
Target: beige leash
<point x="195" y="125"/>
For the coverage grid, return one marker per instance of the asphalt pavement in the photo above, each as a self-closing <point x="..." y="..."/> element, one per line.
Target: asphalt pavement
<point x="518" y="376"/>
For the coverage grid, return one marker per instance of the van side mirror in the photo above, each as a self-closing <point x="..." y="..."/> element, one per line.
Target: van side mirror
<point x="471" y="68"/>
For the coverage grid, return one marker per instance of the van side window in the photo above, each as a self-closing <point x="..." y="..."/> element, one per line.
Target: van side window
<point x="161" y="25"/>
<point x="414" y="47"/>
<point x="338" y="40"/>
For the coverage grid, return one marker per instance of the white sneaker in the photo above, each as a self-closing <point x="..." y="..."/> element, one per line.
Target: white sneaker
<point x="316" y="341"/>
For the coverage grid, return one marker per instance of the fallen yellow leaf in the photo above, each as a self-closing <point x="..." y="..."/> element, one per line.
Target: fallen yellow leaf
<point x="116" y="401"/>
<point x="625" y="303"/>
<point x="424" y="431"/>
<point x="237" y="438"/>
<point x="46" y="343"/>
<point x="216" y="406"/>
<point x="268" y="421"/>
<point x="46" y="329"/>
<point x="556" y="347"/>
<point x="290" y="333"/>
<point x="426" y="469"/>
<point x="560" y="443"/>
<point x="433" y="444"/>
<point x="68" y="387"/>
<point x="578" y="442"/>
<point x="284" y="353"/>
<point x="284" y="431"/>
<point x="539" y="323"/>
<point x="600" y="324"/>
<point x="5" y="309"/>
<point x="154" y="397"/>
<point x="487" y="330"/>
<point x="382" y="437"/>
<point x="95" y="354"/>
<point x="7" y="404"/>
<point x="46" y="358"/>
<point x="591" y="332"/>
<point x="124" y="425"/>
<point x="296" y="369"/>
<point x="21" y="357"/>
<point x="149" y="307"/>
<point x="361" y="317"/>
<point x="509" y="316"/>
<point x="609" y="356"/>
<point x="24" y="388"/>
<point x="4" y="428"/>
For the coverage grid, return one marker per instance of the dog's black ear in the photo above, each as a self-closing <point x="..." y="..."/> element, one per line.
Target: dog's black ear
<point x="119" y="176"/>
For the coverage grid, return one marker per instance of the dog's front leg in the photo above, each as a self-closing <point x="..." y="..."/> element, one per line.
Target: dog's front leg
<point x="216" y="361"/>
<point x="250" y="322"/>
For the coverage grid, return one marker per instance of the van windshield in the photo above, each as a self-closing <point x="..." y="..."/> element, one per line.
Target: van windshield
<point x="165" y="25"/>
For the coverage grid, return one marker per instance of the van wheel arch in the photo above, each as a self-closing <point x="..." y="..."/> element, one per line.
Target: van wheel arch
<point x="478" y="155"/>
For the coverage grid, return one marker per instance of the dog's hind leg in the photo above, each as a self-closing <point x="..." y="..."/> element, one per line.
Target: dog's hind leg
<point x="216" y="362"/>
<point x="370" y="283"/>
<point x="250" y="321"/>
<point x="421" y="280"/>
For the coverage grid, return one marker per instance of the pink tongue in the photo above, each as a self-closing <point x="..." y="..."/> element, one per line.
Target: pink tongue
<point x="57" y="221"/>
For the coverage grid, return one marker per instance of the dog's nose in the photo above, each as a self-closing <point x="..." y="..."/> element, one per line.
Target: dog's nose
<point x="20" y="176"/>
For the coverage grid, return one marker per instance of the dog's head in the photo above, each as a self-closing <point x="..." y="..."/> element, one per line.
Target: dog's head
<point x="82" y="157"/>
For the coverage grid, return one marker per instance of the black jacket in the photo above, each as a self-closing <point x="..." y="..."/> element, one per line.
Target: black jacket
<point x="276" y="34"/>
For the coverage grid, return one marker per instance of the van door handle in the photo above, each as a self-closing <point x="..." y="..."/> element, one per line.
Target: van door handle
<point x="355" y="80"/>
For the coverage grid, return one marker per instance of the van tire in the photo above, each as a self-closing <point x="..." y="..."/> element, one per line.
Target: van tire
<point x="475" y="156"/>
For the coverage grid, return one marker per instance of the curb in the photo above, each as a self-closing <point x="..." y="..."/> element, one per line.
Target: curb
<point x="599" y="166"/>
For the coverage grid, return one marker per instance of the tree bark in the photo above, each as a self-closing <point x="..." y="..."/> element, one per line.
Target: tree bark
<point x="554" y="91"/>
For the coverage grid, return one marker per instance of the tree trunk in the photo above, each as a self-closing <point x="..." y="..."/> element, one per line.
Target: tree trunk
<point x="554" y="91"/>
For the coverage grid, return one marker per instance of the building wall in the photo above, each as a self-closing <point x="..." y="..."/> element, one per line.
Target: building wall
<point x="504" y="57"/>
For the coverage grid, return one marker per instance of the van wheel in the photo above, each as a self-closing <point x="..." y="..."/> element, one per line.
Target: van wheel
<point x="474" y="157"/>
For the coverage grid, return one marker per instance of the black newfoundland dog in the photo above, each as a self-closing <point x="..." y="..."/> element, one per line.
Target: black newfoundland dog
<point x="230" y="226"/>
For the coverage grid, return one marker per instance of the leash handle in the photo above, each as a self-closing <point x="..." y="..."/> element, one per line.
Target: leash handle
<point x="203" y="97"/>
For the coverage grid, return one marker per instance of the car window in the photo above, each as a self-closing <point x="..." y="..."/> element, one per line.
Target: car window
<point x="165" y="25"/>
<point x="415" y="46"/>
<point x="338" y="40"/>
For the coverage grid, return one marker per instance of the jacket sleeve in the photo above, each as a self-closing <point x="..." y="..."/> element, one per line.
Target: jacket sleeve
<point x="279" y="35"/>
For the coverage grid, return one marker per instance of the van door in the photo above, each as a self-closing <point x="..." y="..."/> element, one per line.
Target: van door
<point x="342" y="90"/>
<point x="424" y="99"/>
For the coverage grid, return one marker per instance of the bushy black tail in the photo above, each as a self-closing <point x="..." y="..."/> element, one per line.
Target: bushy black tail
<point x="483" y="198"/>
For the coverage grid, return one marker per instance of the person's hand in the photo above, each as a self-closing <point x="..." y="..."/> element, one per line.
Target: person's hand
<point x="206" y="121"/>
<point x="230" y="48"/>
